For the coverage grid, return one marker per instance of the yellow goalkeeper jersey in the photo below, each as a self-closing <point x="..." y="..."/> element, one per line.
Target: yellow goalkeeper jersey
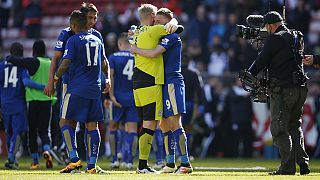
<point x="148" y="37"/>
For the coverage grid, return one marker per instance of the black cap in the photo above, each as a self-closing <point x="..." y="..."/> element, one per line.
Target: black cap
<point x="272" y="17"/>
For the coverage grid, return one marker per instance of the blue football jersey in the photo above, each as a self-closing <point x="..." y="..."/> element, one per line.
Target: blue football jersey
<point x="172" y="58"/>
<point x="64" y="35"/>
<point x="12" y="88"/>
<point x="85" y="52"/>
<point x="122" y="63"/>
<point x="98" y="34"/>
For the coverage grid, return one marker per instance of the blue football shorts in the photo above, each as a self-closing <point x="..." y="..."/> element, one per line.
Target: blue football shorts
<point x="15" y="122"/>
<point x="81" y="109"/>
<point x="124" y="114"/>
<point x="174" y="99"/>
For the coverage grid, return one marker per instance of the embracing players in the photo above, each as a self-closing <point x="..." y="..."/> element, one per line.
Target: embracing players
<point x="84" y="60"/>
<point x="173" y="95"/>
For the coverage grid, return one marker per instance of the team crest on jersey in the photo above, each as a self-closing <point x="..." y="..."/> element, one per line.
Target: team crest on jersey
<point x="160" y="113"/>
<point x="59" y="44"/>
<point x="165" y="41"/>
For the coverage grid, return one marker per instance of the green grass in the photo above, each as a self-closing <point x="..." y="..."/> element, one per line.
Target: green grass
<point x="269" y="165"/>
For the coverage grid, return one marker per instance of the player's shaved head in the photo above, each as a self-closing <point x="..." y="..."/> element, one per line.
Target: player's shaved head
<point x="16" y="49"/>
<point x="146" y="9"/>
<point x="88" y="7"/>
<point x="79" y="19"/>
<point x="123" y="42"/>
<point x="165" y="12"/>
<point x="123" y="37"/>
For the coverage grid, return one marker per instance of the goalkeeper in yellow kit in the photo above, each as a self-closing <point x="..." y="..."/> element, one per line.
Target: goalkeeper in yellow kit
<point x="148" y="78"/>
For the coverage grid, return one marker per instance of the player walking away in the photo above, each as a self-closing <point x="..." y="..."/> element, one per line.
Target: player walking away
<point x="173" y="96"/>
<point x="13" y="80"/>
<point x="148" y="78"/>
<point x="39" y="109"/>
<point x="123" y="108"/>
<point x="82" y="103"/>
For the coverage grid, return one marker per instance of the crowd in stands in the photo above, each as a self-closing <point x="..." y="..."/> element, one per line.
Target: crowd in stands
<point x="217" y="53"/>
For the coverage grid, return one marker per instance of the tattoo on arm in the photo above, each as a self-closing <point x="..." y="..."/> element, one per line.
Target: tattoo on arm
<point x="63" y="67"/>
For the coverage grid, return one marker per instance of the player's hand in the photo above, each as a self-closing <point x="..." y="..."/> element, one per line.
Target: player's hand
<point x="133" y="48"/>
<point x="115" y="102"/>
<point x="308" y="60"/>
<point x="108" y="86"/>
<point x="170" y="28"/>
<point x="49" y="89"/>
<point x="130" y="33"/>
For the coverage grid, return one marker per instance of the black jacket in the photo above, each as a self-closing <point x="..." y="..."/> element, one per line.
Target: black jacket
<point x="277" y="55"/>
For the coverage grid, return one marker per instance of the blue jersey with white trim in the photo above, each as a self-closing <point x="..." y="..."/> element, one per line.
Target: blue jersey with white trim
<point x="64" y="35"/>
<point x="85" y="52"/>
<point x="122" y="63"/>
<point x="172" y="58"/>
<point x="12" y="88"/>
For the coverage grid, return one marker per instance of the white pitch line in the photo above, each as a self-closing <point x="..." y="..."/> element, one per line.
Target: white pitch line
<point x="231" y="168"/>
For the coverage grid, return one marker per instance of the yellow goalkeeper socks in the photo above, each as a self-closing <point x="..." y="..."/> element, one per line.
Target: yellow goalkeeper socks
<point x="145" y="143"/>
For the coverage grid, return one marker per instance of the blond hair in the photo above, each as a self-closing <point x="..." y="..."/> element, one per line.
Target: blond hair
<point x="165" y="12"/>
<point x="146" y="9"/>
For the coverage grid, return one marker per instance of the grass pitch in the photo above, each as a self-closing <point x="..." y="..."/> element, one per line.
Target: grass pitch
<point x="203" y="169"/>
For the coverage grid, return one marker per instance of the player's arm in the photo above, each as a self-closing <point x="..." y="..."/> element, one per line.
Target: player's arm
<point x="62" y="68"/>
<point x="149" y="53"/>
<point x="59" y="49"/>
<point x="158" y="31"/>
<point x="68" y="56"/>
<point x="53" y="66"/>
<point x="112" y="97"/>
<point x="106" y="71"/>
<point x="173" y="27"/>
<point x="30" y="63"/>
<point x="112" y="72"/>
<point x="30" y="83"/>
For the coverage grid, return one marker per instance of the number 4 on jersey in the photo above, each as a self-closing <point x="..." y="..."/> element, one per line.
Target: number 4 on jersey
<point x="128" y="69"/>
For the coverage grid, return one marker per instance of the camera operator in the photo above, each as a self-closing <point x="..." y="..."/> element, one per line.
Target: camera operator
<point x="280" y="55"/>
